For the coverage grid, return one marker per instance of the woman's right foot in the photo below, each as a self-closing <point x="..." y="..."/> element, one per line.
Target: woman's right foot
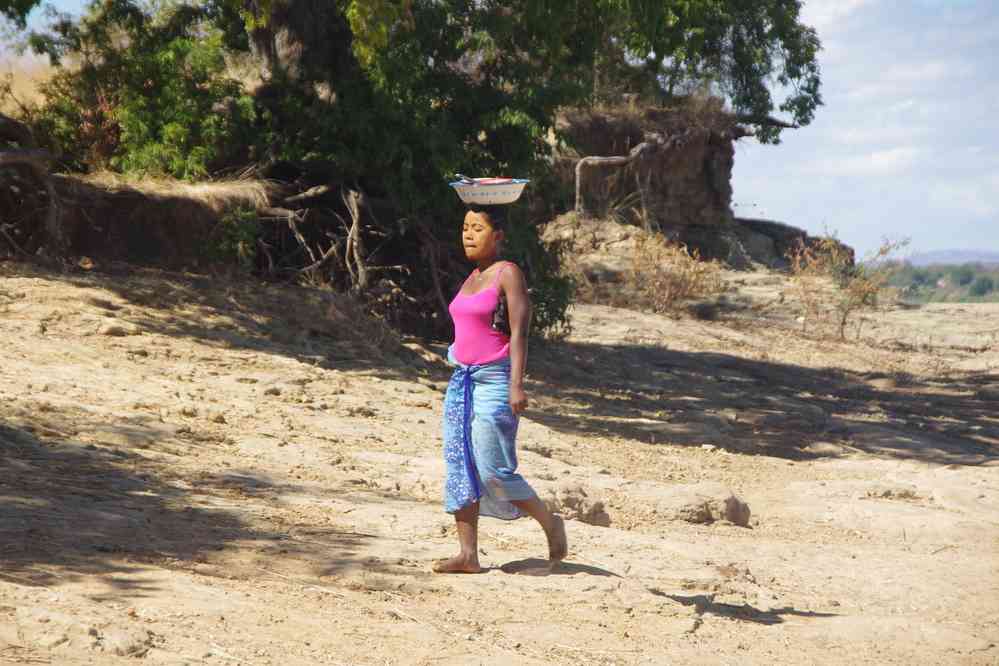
<point x="458" y="564"/>
<point x="558" y="544"/>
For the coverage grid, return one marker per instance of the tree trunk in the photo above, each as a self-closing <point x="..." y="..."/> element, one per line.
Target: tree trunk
<point x="355" y="242"/>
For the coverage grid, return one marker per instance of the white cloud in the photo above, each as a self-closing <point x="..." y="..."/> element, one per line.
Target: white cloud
<point x="888" y="162"/>
<point x="823" y="14"/>
<point x="912" y="79"/>
<point x="873" y="134"/>
<point x="975" y="198"/>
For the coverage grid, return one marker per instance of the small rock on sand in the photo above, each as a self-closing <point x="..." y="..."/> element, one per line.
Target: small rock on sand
<point x="828" y="449"/>
<point x="117" y="330"/>
<point x="572" y="501"/>
<point x="125" y="642"/>
<point x="703" y="503"/>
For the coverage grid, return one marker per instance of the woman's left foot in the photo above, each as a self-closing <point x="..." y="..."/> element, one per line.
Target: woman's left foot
<point x="558" y="544"/>
<point x="458" y="564"/>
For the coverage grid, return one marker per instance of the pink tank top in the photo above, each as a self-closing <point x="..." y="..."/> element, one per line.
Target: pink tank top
<point x="476" y="342"/>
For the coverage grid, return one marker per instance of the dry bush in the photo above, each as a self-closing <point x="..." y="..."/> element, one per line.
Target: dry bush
<point x="19" y="83"/>
<point x="831" y="288"/>
<point x="666" y="274"/>
<point x="219" y="196"/>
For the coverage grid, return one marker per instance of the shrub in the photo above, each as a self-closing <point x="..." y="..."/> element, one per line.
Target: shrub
<point x="982" y="286"/>
<point x="666" y="274"/>
<point x="854" y="286"/>
<point x="234" y="239"/>
<point x="146" y="93"/>
<point x="551" y="291"/>
<point x="963" y="275"/>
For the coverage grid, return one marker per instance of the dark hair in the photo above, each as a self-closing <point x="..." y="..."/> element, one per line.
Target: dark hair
<point x="496" y="215"/>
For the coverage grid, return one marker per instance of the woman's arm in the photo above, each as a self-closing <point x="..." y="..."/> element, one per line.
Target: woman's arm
<point x="518" y="303"/>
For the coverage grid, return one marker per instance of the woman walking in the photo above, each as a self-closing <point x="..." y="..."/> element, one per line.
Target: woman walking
<point x="485" y="397"/>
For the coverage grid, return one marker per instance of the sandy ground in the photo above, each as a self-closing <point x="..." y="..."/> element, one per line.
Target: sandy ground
<point x="200" y="471"/>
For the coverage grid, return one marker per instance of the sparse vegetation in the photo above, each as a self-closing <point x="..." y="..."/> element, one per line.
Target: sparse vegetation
<point x="831" y="287"/>
<point x="666" y="274"/>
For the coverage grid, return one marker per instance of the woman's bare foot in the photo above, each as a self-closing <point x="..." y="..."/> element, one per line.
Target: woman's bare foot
<point x="558" y="544"/>
<point x="458" y="564"/>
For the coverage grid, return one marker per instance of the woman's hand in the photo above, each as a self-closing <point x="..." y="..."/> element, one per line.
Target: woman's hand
<point x="518" y="399"/>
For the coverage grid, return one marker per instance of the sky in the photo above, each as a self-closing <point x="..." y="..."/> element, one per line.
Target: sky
<point x="906" y="145"/>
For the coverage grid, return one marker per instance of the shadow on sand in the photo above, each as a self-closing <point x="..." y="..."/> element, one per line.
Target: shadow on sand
<point x="70" y="510"/>
<point x="652" y="395"/>
<point x="535" y="566"/>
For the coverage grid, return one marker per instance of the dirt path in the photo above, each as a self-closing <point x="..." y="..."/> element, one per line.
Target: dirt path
<point x="198" y="471"/>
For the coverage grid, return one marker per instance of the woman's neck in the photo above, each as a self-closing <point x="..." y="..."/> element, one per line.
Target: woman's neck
<point x="484" y="264"/>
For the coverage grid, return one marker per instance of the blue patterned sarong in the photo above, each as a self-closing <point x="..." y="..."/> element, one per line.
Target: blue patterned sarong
<point x="480" y="435"/>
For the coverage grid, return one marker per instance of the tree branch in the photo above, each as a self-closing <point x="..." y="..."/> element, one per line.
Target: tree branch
<point x="654" y="143"/>
<point x="355" y="243"/>
<point x="323" y="260"/>
<point x="308" y="197"/>
<point x="764" y="121"/>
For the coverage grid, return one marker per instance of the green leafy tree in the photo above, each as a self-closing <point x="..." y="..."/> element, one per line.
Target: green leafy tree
<point x="16" y="11"/>
<point x="982" y="286"/>
<point x="549" y="51"/>
<point x="394" y="95"/>
<point x="963" y="275"/>
<point x="146" y="92"/>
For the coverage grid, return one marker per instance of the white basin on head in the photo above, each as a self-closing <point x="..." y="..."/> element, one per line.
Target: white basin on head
<point x="490" y="191"/>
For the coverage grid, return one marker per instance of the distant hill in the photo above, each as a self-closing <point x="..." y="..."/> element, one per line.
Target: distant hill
<point x="955" y="257"/>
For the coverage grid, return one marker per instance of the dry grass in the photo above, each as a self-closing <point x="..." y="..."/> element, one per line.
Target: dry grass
<point x="23" y="76"/>
<point x="218" y="196"/>
<point x="626" y="266"/>
<point x="667" y="274"/>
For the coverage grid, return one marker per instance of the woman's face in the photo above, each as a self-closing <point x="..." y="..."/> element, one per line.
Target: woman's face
<point x="479" y="238"/>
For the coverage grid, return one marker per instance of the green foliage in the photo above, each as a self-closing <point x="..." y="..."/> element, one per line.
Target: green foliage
<point x="737" y="48"/>
<point x="372" y="22"/>
<point x="234" y="240"/>
<point x="551" y="292"/>
<point x="416" y="90"/>
<point x="947" y="283"/>
<point x="147" y="93"/>
<point x="982" y="286"/>
<point x="17" y="11"/>
<point x="963" y="275"/>
<point x="924" y="277"/>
